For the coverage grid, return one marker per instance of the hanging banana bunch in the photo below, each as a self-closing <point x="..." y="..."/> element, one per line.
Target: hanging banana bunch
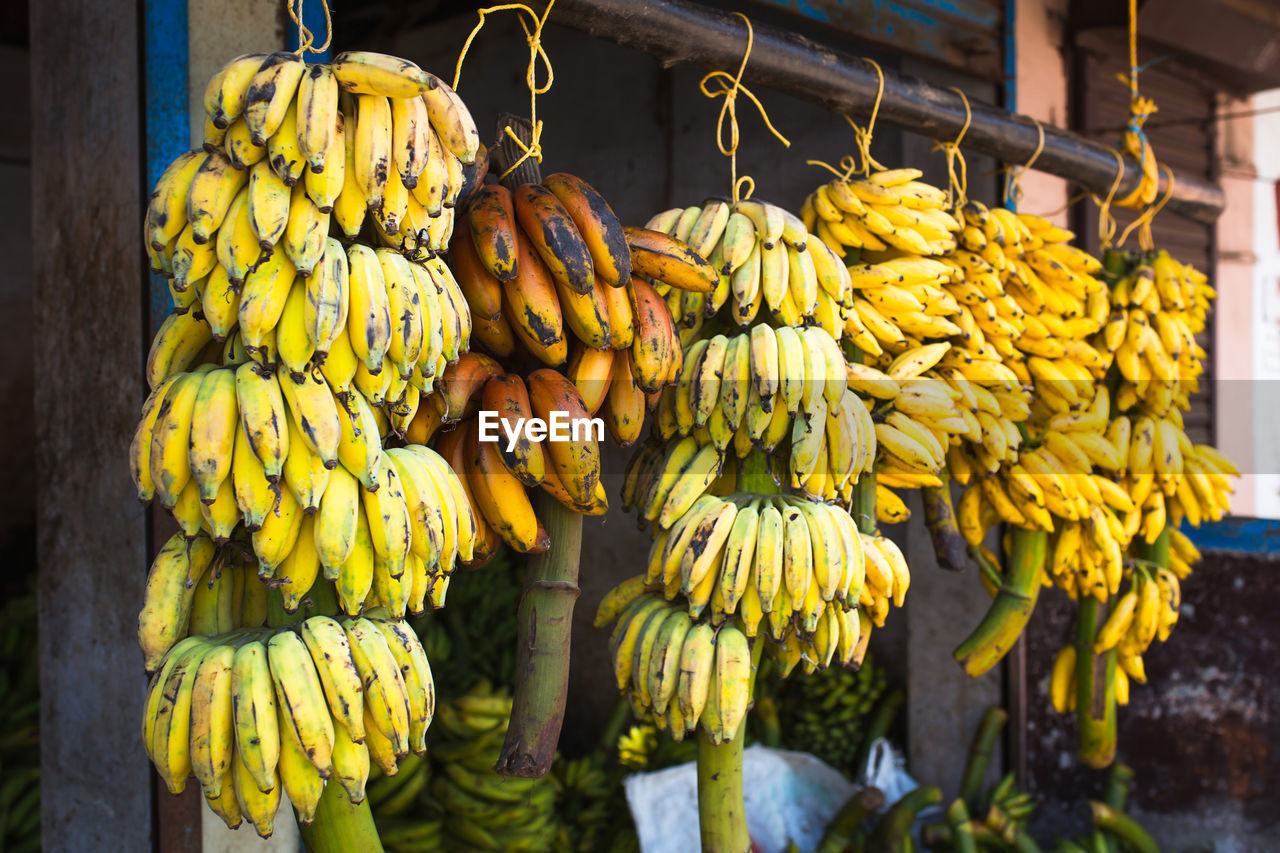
<point x="312" y="317"/>
<point x="546" y="270"/>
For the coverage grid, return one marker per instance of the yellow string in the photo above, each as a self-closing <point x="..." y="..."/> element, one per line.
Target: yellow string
<point x="730" y="87"/>
<point x="536" y="51"/>
<point x="1106" y="222"/>
<point x="1143" y="222"/>
<point x="957" y="178"/>
<point x="306" y="38"/>
<point x="861" y="138"/>
<point x="1013" y="175"/>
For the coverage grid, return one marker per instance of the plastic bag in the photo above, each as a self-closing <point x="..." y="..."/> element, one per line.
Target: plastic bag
<point x="790" y="796"/>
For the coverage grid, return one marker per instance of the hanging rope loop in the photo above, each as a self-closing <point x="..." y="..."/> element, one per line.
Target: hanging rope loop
<point x="1013" y="174"/>
<point x="864" y="162"/>
<point x="306" y="38"/>
<point x="532" y="25"/>
<point x="957" y="170"/>
<point x="729" y="87"/>
<point x="1106" y="220"/>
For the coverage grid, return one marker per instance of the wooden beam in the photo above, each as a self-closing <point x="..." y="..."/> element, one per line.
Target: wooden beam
<point x="676" y="31"/>
<point x="86" y="176"/>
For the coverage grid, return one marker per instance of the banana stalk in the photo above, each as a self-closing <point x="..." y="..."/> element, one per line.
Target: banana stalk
<point x="863" y="505"/>
<point x="896" y="825"/>
<point x="958" y="819"/>
<point x="722" y="816"/>
<point x="1117" y="789"/>
<point x="754" y="475"/>
<point x="1121" y="825"/>
<point x="340" y="825"/>
<point x="543" y="622"/>
<point x="1009" y="613"/>
<point x="1095" y="691"/>
<point x="940" y="517"/>
<point x="840" y="832"/>
<point x="975" y="767"/>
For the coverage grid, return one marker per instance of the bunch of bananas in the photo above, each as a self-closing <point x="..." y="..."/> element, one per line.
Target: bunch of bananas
<point x="20" y="721"/>
<point x="591" y="803"/>
<point x="736" y="391"/>
<point x="1147" y="611"/>
<point x="496" y="461"/>
<point x="289" y="146"/>
<point x="675" y="670"/>
<point x="362" y="319"/>
<point x="759" y="254"/>
<point x="827" y="713"/>
<point x="479" y="809"/>
<point x="894" y="223"/>
<point x="547" y="269"/>
<point x="221" y="446"/>
<point x="257" y="711"/>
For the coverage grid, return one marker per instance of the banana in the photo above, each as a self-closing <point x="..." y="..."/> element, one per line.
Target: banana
<point x="176" y="346"/>
<point x="213" y="187"/>
<point x="576" y="462"/>
<point x="386" y="699"/>
<point x="371" y="147"/>
<point x="502" y="499"/>
<point x="369" y="313"/>
<point x="532" y="307"/>
<point x="224" y="96"/>
<point x="555" y="237"/>
<point x="306" y="233"/>
<point x="598" y="226"/>
<point x="304" y="713"/>
<point x="170" y="588"/>
<point x="453" y="123"/>
<point x="302" y="781"/>
<point x="670" y="261"/>
<point x="697" y="660"/>
<point x="254" y="711"/>
<point x="492" y="220"/>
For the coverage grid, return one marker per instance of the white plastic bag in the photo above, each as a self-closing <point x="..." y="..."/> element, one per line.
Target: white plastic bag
<point x="789" y="796"/>
<point x="886" y="770"/>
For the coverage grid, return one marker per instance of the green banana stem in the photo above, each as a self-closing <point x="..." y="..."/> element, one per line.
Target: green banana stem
<point x="1120" y="824"/>
<point x="340" y="825"/>
<point x="543" y="623"/>
<point x="840" y="831"/>
<point x="863" y="506"/>
<point x="980" y="749"/>
<point x="1095" y="691"/>
<point x="1118" y="783"/>
<point x="722" y="814"/>
<point x="1012" y="607"/>
<point x="961" y="836"/>
<point x="1157" y="552"/>
<point x="754" y="475"/>
<point x="940" y="517"/>
<point x="894" y="830"/>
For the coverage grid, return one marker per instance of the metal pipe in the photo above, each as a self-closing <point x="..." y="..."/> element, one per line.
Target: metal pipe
<point x="676" y="31"/>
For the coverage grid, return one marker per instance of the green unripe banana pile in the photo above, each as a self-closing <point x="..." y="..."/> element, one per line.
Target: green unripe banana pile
<point x="312" y="315"/>
<point x="473" y="808"/>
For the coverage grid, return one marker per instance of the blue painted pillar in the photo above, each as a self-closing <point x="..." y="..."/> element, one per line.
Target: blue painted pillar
<point x="313" y="18"/>
<point x="166" y="126"/>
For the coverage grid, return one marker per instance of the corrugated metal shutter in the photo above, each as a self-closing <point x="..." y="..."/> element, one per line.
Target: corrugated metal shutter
<point x="965" y="34"/>
<point x="1182" y="134"/>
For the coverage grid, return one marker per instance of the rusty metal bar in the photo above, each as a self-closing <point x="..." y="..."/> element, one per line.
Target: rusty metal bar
<point x="676" y="31"/>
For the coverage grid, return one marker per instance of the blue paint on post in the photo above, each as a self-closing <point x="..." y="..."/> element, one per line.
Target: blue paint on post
<point x="168" y="131"/>
<point x="1253" y="535"/>
<point x="313" y="19"/>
